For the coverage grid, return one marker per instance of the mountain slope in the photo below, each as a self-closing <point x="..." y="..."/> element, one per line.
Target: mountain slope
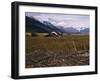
<point x="86" y="30"/>
<point x="71" y="30"/>
<point x="33" y="25"/>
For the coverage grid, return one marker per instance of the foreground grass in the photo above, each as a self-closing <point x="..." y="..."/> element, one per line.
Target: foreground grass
<point x="70" y="50"/>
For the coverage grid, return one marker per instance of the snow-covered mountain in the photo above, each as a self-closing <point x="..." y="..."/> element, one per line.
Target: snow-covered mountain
<point x="40" y="25"/>
<point x="85" y="30"/>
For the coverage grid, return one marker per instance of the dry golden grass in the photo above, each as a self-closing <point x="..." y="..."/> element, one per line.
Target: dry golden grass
<point x="69" y="50"/>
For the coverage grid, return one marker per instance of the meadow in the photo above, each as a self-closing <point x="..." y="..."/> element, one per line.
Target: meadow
<point x="69" y="50"/>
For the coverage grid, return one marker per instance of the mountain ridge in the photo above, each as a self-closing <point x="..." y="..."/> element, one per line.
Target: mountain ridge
<point x="34" y="25"/>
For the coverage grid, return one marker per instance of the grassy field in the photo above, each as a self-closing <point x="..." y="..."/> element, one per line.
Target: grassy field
<point x="69" y="50"/>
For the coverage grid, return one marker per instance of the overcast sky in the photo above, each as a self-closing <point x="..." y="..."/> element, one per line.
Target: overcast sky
<point x="65" y="20"/>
